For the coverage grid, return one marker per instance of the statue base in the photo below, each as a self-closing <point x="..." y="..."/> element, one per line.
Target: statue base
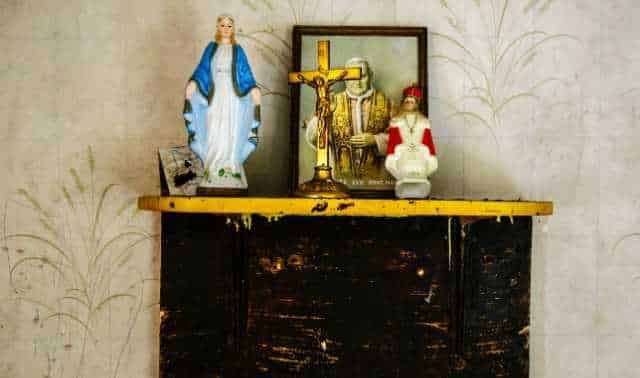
<point x="413" y="188"/>
<point x="322" y="185"/>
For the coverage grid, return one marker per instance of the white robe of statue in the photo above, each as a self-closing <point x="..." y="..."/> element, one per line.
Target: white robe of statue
<point x="223" y="165"/>
<point x="411" y="159"/>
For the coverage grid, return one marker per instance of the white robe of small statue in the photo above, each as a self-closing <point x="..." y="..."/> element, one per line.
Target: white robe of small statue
<point x="411" y="154"/>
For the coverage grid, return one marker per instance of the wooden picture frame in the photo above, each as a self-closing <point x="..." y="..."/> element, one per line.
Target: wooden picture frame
<point x="397" y="57"/>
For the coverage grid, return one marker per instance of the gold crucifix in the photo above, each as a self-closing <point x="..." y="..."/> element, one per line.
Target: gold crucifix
<point x="322" y="185"/>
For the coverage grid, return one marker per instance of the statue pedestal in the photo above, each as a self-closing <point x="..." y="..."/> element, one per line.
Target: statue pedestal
<point x="322" y="185"/>
<point x="288" y="287"/>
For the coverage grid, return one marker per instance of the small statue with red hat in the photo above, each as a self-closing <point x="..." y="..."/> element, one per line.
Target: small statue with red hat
<point x="411" y="154"/>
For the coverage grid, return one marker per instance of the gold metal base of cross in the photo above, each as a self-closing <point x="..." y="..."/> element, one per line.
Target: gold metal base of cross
<point x="322" y="185"/>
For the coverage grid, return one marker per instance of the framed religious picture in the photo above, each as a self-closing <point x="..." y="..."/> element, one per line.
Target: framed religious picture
<point x="390" y="59"/>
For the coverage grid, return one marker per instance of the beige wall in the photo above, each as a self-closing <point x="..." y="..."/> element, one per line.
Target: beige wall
<point x="91" y="89"/>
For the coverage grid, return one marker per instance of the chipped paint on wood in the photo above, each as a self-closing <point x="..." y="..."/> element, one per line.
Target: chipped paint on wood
<point x="344" y="297"/>
<point x="340" y="207"/>
<point x="361" y="291"/>
<point x="497" y="269"/>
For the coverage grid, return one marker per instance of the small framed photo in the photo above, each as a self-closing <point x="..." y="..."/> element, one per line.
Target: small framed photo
<point x="391" y="59"/>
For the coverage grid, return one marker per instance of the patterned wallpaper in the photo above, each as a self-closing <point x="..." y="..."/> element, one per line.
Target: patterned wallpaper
<point x="531" y="99"/>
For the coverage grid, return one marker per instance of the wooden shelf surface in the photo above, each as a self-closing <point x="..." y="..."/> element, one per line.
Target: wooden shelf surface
<point x="342" y="207"/>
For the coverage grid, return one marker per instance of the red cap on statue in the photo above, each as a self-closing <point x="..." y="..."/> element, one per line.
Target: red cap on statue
<point x="413" y="91"/>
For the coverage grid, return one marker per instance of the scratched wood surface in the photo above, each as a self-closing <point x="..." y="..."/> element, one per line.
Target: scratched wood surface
<point x="497" y="282"/>
<point x="199" y="297"/>
<point x="344" y="297"/>
<point x="349" y="297"/>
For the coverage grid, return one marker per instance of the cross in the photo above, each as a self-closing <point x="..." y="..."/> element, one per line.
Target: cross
<point x="321" y="80"/>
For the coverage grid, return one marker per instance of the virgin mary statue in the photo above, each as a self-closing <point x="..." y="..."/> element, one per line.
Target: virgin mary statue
<point x="222" y="111"/>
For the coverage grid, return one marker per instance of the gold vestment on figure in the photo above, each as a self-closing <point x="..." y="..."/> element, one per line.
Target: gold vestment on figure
<point x="360" y="164"/>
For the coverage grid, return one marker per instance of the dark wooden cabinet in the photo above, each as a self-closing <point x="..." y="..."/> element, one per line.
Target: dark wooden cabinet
<point x="350" y="296"/>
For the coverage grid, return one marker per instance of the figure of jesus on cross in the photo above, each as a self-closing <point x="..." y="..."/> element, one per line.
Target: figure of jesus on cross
<point x="322" y="185"/>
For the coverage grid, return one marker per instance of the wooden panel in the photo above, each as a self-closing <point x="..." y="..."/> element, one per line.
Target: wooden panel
<point x="344" y="297"/>
<point x="199" y="297"/>
<point x="497" y="273"/>
<point x="349" y="297"/>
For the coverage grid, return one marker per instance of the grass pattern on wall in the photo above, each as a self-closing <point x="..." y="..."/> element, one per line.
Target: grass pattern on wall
<point x="77" y="268"/>
<point x="272" y="43"/>
<point x="497" y="67"/>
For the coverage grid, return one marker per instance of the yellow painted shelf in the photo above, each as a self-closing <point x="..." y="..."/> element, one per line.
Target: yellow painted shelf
<point x="343" y="207"/>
